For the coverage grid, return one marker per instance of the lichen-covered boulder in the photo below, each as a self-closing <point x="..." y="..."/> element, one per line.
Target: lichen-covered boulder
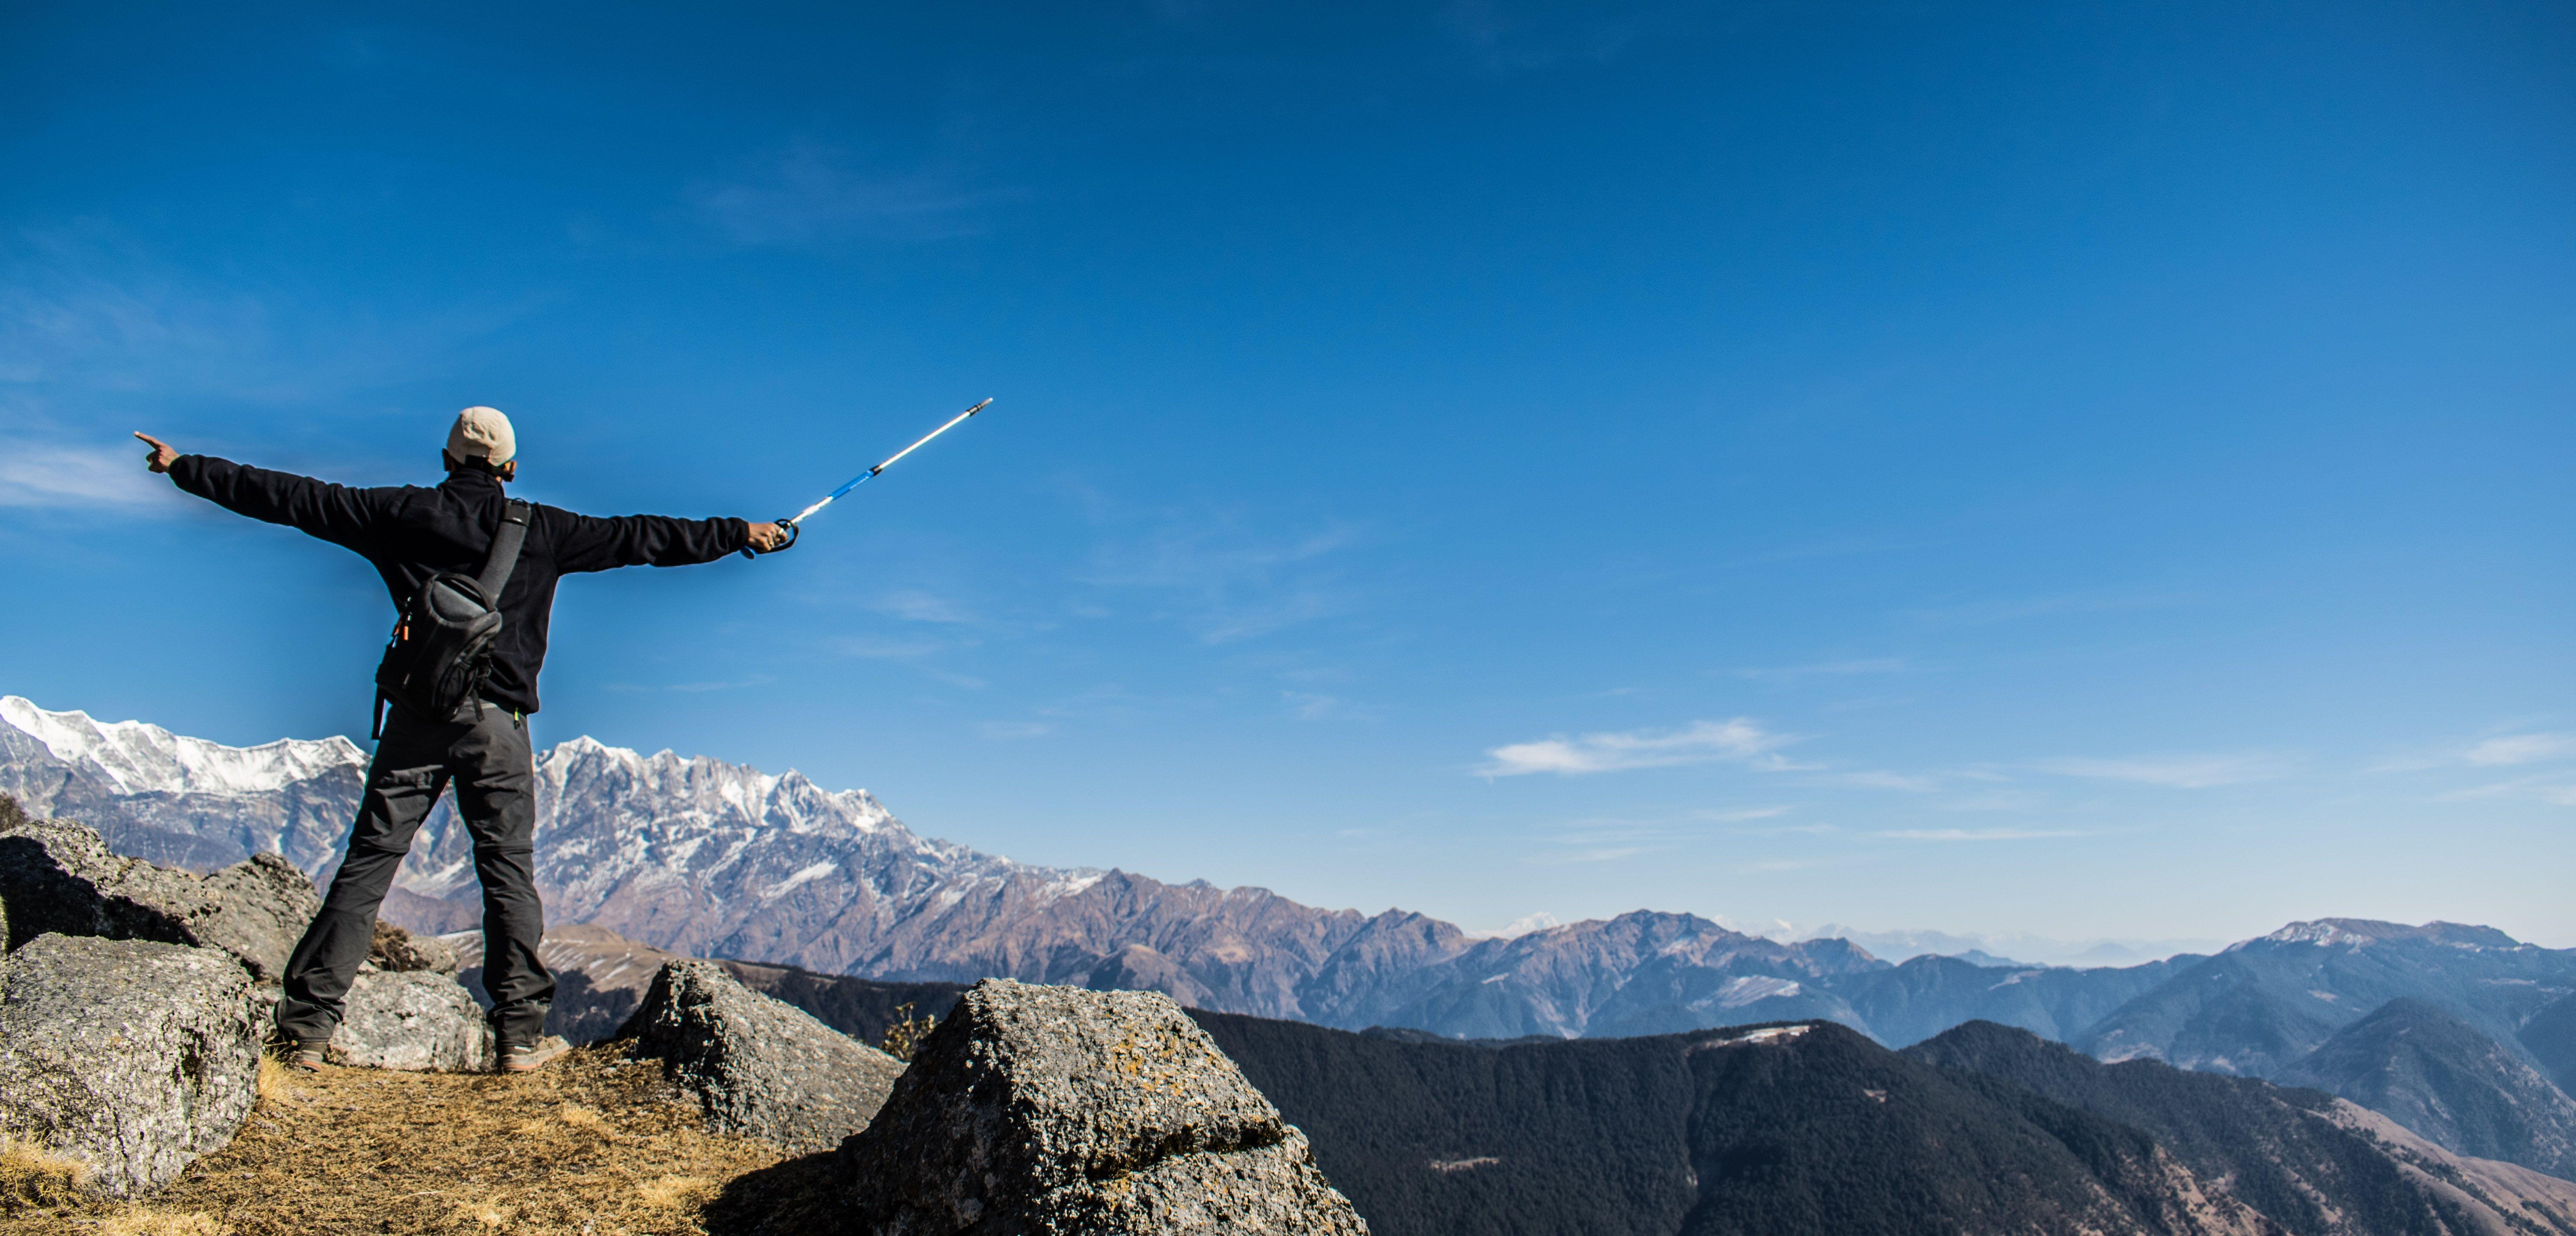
<point x="129" y="1057"/>
<point x="56" y="876"/>
<point x="1057" y="1110"/>
<point x="416" y="1020"/>
<point x="761" y="1067"/>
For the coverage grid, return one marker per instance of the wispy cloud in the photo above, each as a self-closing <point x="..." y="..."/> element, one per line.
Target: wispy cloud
<point x="2520" y="749"/>
<point x="85" y="313"/>
<point x="51" y="475"/>
<point x="2554" y="790"/>
<point x="1740" y="815"/>
<point x="2495" y="750"/>
<point x="1881" y="779"/>
<point x="1740" y="740"/>
<point x="1975" y="834"/>
<point x="1226" y="582"/>
<point x="915" y="654"/>
<point x="1773" y="866"/>
<point x="914" y="605"/>
<point x="2182" y="772"/>
<point x="1313" y="706"/>
<point x="812" y="192"/>
<point x="2016" y="609"/>
<point x="1825" y="669"/>
<point x="1599" y="854"/>
<point x="695" y="688"/>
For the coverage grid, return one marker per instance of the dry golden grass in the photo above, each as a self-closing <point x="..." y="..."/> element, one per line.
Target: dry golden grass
<point x="29" y="1177"/>
<point x="592" y="1145"/>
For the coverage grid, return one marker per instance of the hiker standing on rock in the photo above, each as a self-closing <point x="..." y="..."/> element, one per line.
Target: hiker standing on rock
<point x="473" y="573"/>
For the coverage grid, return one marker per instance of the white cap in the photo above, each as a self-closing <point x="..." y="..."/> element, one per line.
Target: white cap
<point x="482" y="435"/>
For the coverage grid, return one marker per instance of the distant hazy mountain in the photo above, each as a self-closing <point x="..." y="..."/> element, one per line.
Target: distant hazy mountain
<point x="2550" y="1039"/>
<point x="2439" y="1076"/>
<point x="2309" y="1162"/>
<point x="1640" y="973"/>
<point x="2266" y="1002"/>
<point x="1928" y="995"/>
<point x="2007" y="948"/>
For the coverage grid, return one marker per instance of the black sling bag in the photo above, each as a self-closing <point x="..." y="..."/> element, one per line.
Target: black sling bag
<point x="441" y="649"/>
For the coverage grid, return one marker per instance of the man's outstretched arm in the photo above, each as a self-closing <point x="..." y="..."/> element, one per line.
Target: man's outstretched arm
<point x="335" y="513"/>
<point x="593" y="544"/>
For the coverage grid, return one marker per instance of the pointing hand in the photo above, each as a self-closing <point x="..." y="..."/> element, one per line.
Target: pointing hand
<point x="161" y="457"/>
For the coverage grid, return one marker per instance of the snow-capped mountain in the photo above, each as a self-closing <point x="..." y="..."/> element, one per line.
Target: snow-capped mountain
<point x="182" y="802"/>
<point x="714" y="859"/>
<point x="704" y="857"/>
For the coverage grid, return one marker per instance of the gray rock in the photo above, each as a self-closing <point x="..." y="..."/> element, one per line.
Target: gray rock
<point x="264" y="998"/>
<point x="395" y="948"/>
<point x="56" y="876"/>
<point x="761" y="1067"/>
<point x="416" y="1020"/>
<point x="1057" y="1110"/>
<point x="127" y="1056"/>
<point x="257" y="910"/>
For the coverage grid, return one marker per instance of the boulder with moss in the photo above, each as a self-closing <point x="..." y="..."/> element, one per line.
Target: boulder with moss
<point x="1058" y="1110"/>
<point x="129" y="1058"/>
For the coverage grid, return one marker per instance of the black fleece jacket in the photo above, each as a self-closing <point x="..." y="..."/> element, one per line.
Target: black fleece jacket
<point x="411" y="534"/>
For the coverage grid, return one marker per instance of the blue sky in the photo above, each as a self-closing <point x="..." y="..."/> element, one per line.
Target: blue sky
<point x="2098" y="472"/>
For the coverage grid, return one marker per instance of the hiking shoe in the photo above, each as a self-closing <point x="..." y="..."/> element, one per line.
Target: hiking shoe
<point x="530" y="1057"/>
<point x="304" y="1054"/>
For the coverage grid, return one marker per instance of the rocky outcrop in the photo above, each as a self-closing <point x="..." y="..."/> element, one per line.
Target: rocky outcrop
<point x="761" y="1068"/>
<point x="56" y="876"/>
<point x="1056" y="1110"/>
<point x="129" y="1057"/>
<point x="417" y="1020"/>
<point x="394" y="948"/>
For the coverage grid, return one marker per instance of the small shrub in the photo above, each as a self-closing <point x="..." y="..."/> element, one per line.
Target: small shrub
<point x="903" y="1036"/>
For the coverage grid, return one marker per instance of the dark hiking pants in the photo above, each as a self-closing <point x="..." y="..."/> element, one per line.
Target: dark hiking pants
<point x="483" y="750"/>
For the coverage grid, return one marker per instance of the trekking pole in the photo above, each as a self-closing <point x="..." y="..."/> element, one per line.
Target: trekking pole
<point x="794" y="523"/>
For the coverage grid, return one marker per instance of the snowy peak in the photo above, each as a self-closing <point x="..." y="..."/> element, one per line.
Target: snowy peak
<point x="134" y="757"/>
<point x="2363" y="932"/>
<point x="586" y="766"/>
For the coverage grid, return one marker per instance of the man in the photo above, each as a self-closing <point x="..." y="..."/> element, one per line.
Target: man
<point x="411" y="534"/>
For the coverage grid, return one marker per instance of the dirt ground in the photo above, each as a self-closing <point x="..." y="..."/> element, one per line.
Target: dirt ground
<point x="593" y="1145"/>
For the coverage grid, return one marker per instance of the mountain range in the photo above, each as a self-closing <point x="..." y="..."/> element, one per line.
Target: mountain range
<point x="706" y="858"/>
<point x="2436" y="1074"/>
<point x="1803" y="1127"/>
<point x="1809" y="1127"/>
<point x="710" y="859"/>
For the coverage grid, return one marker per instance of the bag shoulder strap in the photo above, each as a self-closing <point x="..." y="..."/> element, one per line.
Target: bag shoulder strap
<point x="504" y="557"/>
